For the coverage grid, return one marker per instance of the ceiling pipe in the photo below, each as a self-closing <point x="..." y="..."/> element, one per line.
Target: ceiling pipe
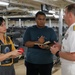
<point x="23" y="4"/>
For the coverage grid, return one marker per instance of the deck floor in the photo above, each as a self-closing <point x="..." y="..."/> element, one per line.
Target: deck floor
<point x="20" y="68"/>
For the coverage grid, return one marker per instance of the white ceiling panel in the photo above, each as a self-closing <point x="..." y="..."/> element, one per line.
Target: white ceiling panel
<point x="57" y="3"/>
<point x="18" y="6"/>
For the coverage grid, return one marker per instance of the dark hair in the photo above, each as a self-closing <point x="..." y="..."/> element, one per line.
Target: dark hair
<point x="1" y="20"/>
<point x="40" y="13"/>
<point x="71" y="8"/>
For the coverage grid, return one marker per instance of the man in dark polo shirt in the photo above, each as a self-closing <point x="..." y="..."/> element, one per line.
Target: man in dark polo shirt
<point x="38" y="60"/>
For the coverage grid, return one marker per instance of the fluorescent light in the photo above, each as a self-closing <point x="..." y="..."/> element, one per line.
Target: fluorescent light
<point x="4" y="4"/>
<point x="55" y="0"/>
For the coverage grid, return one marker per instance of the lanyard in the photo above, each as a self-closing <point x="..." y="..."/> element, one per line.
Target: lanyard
<point x="1" y="42"/>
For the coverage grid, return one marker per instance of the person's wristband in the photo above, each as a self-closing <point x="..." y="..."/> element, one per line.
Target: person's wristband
<point x="57" y="53"/>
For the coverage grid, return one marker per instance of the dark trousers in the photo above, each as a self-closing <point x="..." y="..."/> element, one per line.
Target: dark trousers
<point x="38" y="69"/>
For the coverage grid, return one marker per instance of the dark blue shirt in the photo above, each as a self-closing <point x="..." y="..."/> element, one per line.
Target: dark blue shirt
<point x="35" y="54"/>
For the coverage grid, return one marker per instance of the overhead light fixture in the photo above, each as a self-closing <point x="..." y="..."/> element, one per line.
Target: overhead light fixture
<point x="55" y="0"/>
<point x="3" y="3"/>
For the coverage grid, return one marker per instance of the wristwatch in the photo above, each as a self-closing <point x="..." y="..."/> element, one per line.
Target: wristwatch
<point x="57" y="53"/>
